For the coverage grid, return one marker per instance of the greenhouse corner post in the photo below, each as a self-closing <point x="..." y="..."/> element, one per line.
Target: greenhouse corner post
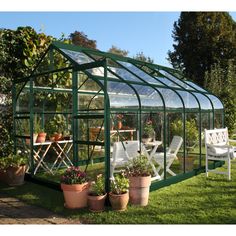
<point x="14" y="114"/>
<point x="75" y="120"/>
<point x="107" y="130"/>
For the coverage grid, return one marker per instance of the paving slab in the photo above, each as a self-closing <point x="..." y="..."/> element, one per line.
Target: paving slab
<point x="14" y="211"/>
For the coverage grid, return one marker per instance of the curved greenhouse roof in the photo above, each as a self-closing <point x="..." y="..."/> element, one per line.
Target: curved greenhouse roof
<point x="136" y="84"/>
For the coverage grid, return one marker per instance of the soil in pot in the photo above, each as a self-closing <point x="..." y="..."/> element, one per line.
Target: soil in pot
<point x="119" y="202"/>
<point x="96" y="203"/>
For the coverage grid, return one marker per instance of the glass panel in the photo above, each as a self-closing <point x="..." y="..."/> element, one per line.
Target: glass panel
<point x="140" y="73"/>
<point x="218" y="119"/>
<point x="178" y="81"/>
<point x="195" y="86"/>
<point x="204" y="101"/>
<point x="171" y="99"/>
<point x="124" y="126"/>
<point x="90" y="101"/>
<point x="78" y="57"/>
<point x="190" y="101"/>
<point x="52" y="62"/>
<point x="217" y="104"/>
<point x="23" y="101"/>
<point x="86" y="84"/>
<point x="149" y="97"/>
<point x="167" y="82"/>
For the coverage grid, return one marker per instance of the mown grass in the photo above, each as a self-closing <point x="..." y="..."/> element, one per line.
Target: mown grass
<point x="198" y="200"/>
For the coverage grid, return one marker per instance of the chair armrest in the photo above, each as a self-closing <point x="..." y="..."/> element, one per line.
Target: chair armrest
<point x="218" y="146"/>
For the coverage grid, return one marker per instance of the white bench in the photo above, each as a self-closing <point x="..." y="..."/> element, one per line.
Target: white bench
<point x="218" y="149"/>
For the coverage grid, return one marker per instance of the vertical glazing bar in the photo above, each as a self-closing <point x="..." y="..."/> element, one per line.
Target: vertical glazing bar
<point x="74" y="114"/>
<point x="200" y="139"/>
<point x="14" y="114"/>
<point x="31" y="106"/>
<point x="106" y="130"/>
<point x="184" y="137"/>
<point x="164" y="141"/>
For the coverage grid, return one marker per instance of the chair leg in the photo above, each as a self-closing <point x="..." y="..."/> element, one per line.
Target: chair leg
<point x="206" y="167"/>
<point x="229" y="169"/>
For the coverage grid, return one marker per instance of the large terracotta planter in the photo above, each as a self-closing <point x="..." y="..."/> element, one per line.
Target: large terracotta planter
<point x="41" y="137"/>
<point x="119" y="202"/>
<point x="96" y="203"/>
<point x="75" y="195"/>
<point x="15" y="175"/>
<point x="139" y="190"/>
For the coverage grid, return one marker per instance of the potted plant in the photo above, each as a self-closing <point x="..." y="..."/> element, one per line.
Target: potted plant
<point x="148" y="131"/>
<point x="119" y="118"/>
<point x="74" y="184"/>
<point x="119" y="195"/>
<point x="97" y="195"/>
<point x="25" y="130"/>
<point x="191" y="140"/>
<point x="55" y="127"/>
<point x="41" y="136"/>
<point x="15" y="168"/>
<point x="139" y="174"/>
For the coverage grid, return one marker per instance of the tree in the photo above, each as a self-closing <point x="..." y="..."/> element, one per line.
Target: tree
<point x="118" y="51"/>
<point x="80" y="39"/>
<point x="141" y="57"/>
<point x="202" y="39"/>
<point x="221" y="82"/>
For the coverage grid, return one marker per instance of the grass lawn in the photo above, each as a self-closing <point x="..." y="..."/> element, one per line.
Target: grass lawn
<point x="198" y="200"/>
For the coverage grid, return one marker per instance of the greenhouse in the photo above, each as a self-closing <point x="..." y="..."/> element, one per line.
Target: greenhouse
<point x="78" y="103"/>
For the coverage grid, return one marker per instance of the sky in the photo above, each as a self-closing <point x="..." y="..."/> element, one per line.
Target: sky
<point x="147" y="32"/>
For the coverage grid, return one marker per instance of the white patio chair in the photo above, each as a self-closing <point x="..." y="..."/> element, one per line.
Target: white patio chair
<point x="218" y="149"/>
<point x="122" y="153"/>
<point x="171" y="155"/>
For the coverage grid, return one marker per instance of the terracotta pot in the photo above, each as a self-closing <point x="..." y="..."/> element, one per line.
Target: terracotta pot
<point x="119" y="202"/>
<point x="119" y="124"/>
<point x="15" y="175"/>
<point x="75" y="195"/>
<point x="3" y="176"/>
<point x="96" y="203"/>
<point x="189" y="161"/>
<point x="27" y="140"/>
<point x="139" y="190"/>
<point x="41" y="137"/>
<point x="57" y="137"/>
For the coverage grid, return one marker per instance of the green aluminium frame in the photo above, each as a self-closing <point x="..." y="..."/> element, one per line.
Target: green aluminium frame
<point x="123" y="85"/>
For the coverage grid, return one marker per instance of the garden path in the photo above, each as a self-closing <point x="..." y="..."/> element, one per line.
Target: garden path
<point x="14" y="211"/>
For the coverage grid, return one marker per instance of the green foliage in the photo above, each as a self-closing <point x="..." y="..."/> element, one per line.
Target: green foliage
<point x="120" y="184"/>
<point x="81" y="39"/>
<point x="98" y="187"/>
<point x="56" y="125"/>
<point x="201" y="40"/>
<point x="138" y="166"/>
<point x="14" y="160"/>
<point x="141" y="57"/>
<point x="118" y="51"/>
<point x="220" y="81"/>
<point x="148" y="129"/>
<point x="191" y="131"/>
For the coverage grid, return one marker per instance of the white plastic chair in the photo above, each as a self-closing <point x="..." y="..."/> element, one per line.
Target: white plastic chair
<point x="171" y="155"/>
<point x="122" y="153"/>
<point x="218" y="149"/>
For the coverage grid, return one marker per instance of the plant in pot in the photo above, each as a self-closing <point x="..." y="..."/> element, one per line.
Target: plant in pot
<point x="192" y="136"/>
<point x="97" y="195"/>
<point x="55" y="127"/>
<point x="75" y="185"/>
<point x="25" y="130"/>
<point x="138" y="172"/>
<point x="148" y="132"/>
<point x="41" y="136"/>
<point x="15" y="167"/>
<point x="119" y="195"/>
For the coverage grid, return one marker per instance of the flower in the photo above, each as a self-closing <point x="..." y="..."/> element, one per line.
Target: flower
<point x="73" y="175"/>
